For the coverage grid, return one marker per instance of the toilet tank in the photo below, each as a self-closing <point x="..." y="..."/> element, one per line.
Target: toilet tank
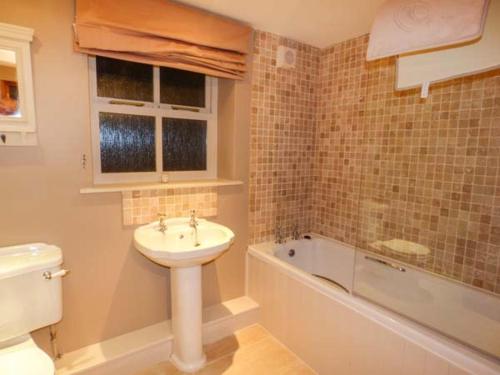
<point x="28" y="299"/>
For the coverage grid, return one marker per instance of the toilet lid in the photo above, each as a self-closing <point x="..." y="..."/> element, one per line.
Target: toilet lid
<point x="25" y="358"/>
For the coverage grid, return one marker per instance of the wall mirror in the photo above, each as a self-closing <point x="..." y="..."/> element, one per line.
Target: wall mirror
<point x="17" y="105"/>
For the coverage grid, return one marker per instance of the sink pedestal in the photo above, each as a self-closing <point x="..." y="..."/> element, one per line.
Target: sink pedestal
<point x="186" y="297"/>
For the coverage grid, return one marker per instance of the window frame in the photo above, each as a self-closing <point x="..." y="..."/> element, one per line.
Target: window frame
<point x="158" y="111"/>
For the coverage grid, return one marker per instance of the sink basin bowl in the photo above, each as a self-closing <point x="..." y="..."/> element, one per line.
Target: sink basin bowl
<point x="177" y="246"/>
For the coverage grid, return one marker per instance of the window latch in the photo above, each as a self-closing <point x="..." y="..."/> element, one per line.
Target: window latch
<point x="183" y="108"/>
<point x="125" y="102"/>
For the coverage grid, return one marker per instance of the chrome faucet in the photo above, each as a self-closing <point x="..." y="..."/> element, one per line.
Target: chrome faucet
<point x="295" y="232"/>
<point x="162" y="226"/>
<point x="278" y="235"/>
<point x="193" y="223"/>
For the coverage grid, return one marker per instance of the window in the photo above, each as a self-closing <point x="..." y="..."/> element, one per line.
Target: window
<point x="148" y="121"/>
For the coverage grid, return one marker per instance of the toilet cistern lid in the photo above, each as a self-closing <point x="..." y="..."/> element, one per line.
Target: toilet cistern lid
<point x="21" y="259"/>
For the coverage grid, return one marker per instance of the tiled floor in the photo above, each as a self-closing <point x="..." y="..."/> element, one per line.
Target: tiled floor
<point x="251" y="350"/>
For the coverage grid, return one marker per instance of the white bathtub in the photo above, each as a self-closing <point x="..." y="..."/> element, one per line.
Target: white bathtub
<point x="328" y="266"/>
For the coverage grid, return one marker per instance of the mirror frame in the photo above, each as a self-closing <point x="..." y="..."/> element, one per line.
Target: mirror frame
<point x="19" y="131"/>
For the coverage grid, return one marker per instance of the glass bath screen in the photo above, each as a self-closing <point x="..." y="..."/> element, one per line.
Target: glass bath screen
<point x="428" y="215"/>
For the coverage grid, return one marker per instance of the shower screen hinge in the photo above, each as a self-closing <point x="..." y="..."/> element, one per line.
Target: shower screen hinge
<point x="425" y="90"/>
<point x="84" y="161"/>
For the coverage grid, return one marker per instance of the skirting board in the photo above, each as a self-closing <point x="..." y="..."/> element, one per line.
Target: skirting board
<point x="133" y="351"/>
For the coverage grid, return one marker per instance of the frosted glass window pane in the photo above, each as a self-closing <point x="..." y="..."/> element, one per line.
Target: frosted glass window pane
<point x="124" y="80"/>
<point x="127" y="143"/>
<point x="182" y="88"/>
<point x="184" y="144"/>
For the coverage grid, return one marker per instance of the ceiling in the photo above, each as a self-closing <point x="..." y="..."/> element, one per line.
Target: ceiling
<point x="320" y="23"/>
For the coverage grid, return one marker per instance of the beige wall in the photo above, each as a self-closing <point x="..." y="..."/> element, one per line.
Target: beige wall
<point x="111" y="289"/>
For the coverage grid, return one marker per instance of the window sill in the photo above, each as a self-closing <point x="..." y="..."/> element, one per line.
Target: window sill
<point x="116" y="188"/>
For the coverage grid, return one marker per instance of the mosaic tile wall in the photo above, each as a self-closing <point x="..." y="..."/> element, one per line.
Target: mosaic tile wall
<point x="335" y="149"/>
<point x="282" y="135"/>
<point x="338" y="153"/>
<point x="390" y="165"/>
<point x="141" y="207"/>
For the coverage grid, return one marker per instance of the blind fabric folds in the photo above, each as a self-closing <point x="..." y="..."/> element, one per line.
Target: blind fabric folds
<point x="163" y="33"/>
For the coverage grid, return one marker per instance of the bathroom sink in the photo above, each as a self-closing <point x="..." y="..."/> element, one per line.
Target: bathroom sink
<point x="179" y="245"/>
<point x="184" y="244"/>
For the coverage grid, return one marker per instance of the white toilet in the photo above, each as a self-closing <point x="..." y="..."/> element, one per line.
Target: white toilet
<point x="30" y="298"/>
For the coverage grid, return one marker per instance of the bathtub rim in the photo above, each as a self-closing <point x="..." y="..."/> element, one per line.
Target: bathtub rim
<point x="460" y="355"/>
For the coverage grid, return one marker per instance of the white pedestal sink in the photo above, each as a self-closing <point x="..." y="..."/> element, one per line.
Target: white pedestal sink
<point x="184" y="249"/>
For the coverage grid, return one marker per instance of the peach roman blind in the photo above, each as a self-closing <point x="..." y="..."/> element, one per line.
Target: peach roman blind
<point x="164" y="33"/>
